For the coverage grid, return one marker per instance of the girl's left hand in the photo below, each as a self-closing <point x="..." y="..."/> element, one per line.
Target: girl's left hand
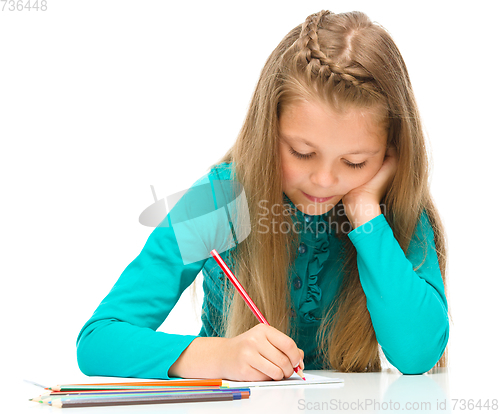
<point x="375" y="189"/>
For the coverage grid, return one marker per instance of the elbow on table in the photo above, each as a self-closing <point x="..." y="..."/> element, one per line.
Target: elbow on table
<point x="417" y="364"/>
<point x="89" y="359"/>
<point x="421" y="353"/>
<point x="85" y="358"/>
<point x="415" y="367"/>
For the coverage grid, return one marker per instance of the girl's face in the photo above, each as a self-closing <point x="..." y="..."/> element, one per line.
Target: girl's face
<point x="325" y="155"/>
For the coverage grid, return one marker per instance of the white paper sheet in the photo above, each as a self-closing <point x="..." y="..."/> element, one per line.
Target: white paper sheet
<point x="293" y="380"/>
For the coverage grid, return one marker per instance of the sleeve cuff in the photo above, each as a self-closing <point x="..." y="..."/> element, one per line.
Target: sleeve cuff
<point x="182" y="342"/>
<point x="372" y="226"/>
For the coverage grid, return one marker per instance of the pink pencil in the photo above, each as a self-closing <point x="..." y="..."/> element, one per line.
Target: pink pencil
<point x="248" y="300"/>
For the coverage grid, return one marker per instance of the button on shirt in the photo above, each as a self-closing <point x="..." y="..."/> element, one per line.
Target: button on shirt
<point x="297" y="283"/>
<point x="302" y="248"/>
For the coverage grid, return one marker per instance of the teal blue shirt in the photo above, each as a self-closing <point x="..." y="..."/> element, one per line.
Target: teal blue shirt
<point x="408" y="307"/>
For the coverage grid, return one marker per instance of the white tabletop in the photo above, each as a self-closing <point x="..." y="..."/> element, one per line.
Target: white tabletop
<point x="444" y="390"/>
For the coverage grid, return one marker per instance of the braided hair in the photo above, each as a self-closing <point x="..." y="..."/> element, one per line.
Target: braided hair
<point x="314" y="63"/>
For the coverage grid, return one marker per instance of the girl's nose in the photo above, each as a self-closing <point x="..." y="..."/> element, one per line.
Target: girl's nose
<point x="325" y="177"/>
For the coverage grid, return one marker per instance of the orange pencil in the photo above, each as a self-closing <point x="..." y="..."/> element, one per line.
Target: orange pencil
<point x="153" y="384"/>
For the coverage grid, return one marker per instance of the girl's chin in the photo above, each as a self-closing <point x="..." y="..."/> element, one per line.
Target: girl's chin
<point x="314" y="210"/>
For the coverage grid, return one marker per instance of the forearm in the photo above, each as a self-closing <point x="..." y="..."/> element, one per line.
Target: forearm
<point x="114" y="348"/>
<point x="408" y="309"/>
<point x="199" y="359"/>
<point x="413" y="331"/>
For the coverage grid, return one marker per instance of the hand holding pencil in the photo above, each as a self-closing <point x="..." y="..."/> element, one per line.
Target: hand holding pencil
<point x="269" y="343"/>
<point x="262" y="353"/>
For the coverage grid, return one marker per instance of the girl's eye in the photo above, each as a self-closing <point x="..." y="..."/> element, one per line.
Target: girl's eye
<point x="360" y="165"/>
<point x="306" y="156"/>
<point x="299" y="155"/>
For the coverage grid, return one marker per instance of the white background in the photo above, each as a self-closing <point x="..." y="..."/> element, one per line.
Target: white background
<point x="100" y="100"/>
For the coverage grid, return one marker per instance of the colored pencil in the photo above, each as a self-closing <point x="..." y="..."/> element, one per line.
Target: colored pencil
<point x="69" y="394"/>
<point x="136" y="390"/>
<point x="48" y="399"/>
<point x="161" y="399"/>
<point x="136" y="385"/>
<point x="246" y="297"/>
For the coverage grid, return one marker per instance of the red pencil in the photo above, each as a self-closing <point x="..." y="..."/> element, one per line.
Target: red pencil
<point x="248" y="300"/>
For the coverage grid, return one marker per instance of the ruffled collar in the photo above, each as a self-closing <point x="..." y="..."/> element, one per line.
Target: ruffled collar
<point x="319" y="241"/>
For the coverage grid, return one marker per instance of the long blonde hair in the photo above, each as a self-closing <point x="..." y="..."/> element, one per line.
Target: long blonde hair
<point x="344" y="60"/>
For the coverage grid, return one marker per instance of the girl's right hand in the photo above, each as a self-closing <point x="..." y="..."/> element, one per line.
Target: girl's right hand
<point x="261" y="354"/>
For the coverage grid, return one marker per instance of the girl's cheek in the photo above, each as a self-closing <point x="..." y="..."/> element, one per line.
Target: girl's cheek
<point x="291" y="175"/>
<point x="361" y="179"/>
<point x="286" y="168"/>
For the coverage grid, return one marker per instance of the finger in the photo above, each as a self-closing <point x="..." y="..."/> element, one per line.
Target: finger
<point x="282" y="367"/>
<point x="301" y="364"/>
<point x="285" y="345"/>
<point x="259" y="370"/>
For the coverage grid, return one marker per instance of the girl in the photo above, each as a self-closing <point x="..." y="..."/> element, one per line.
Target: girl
<point x="346" y="256"/>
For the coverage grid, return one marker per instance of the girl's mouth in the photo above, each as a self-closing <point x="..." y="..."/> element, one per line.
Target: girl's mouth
<point x="317" y="199"/>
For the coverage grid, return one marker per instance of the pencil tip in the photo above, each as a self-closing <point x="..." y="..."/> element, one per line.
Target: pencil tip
<point x="300" y="373"/>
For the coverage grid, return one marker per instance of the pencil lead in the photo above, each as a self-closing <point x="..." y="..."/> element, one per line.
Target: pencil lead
<point x="34" y="383"/>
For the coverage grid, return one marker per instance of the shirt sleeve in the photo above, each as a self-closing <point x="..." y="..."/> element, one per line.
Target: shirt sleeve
<point x="404" y="295"/>
<point x="121" y="337"/>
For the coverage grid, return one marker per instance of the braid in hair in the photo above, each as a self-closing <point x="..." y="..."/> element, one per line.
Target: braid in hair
<point x="315" y="62"/>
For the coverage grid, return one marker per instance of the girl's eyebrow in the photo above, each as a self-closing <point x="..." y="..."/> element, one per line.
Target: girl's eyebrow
<point x="362" y="151"/>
